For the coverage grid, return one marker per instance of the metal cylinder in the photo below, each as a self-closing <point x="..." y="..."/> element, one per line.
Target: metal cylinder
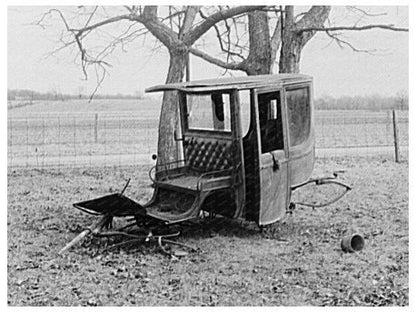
<point x="352" y="243"/>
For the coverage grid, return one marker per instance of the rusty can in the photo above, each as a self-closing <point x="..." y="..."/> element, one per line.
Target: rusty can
<point x="352" y="243"/>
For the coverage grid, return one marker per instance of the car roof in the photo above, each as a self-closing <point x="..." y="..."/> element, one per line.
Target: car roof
<point x="239" y="83"/>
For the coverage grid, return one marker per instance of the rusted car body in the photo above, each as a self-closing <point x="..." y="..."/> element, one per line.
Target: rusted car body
<point x="245" y="143"/>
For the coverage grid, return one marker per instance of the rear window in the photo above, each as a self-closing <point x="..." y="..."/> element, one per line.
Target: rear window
<point x="299" y="114"/>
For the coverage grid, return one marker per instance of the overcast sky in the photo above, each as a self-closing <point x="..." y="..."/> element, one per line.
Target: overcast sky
<point x="336" y="71"/>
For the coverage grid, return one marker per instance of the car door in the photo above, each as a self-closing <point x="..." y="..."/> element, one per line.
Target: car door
<point x="301" y="138"/>
<point x="274" y="186"/>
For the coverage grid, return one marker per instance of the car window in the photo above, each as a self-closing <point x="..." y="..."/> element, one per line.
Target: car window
<point x="299" y="115"/>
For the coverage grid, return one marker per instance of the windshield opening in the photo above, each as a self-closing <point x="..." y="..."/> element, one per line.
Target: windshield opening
<point x="209" y="112"/>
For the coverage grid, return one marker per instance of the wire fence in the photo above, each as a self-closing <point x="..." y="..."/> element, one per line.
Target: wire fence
<point x="118" y="139"/>
<point x="362" y="133"/>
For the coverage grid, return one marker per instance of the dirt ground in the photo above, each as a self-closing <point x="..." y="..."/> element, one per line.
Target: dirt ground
<point x="302" y="264"/>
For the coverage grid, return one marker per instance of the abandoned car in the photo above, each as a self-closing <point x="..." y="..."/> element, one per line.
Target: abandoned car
<point x="246" y="144"/>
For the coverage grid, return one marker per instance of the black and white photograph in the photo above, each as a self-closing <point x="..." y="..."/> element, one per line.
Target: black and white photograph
<point x="207" y="155"/>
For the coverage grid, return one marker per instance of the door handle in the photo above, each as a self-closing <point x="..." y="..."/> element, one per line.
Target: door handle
<point x="276" y="164"/>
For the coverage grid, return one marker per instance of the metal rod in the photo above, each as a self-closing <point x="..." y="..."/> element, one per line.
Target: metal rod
<point x="124" y="188"/>
<point x="188" y="68"/>
<point x="95" y="228"/>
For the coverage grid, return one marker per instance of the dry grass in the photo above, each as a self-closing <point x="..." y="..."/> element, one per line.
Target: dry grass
<point x="237" y="265"/>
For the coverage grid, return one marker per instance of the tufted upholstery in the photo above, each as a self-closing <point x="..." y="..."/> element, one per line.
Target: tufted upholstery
<point x="206" y="156"/>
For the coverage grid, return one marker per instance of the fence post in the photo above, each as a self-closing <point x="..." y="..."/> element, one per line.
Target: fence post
<point x="44" y="142"/>
<point x="396" y="137"/>
<point x="75" y="141"/>
<point x="96" y="129"/>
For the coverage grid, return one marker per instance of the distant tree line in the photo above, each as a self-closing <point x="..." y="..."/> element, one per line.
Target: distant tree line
<point x="374" y="102"/>
<point x="30" y="95"/>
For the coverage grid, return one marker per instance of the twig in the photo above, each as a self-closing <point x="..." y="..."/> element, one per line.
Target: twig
<point x="363" y="12"/>
<point x="123" y="243"/>
<point x="342" y="42"/>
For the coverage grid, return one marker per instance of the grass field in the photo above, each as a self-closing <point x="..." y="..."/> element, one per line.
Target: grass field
<point x="237" y="265"/>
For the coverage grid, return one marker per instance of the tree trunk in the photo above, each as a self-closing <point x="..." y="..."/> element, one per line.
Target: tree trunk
<point x="290" y="50"/>
<point x="259" y="59"/>
<point x="290" y="53"/>
<point x="169" y="116"/>
<point x="294" y="40"/>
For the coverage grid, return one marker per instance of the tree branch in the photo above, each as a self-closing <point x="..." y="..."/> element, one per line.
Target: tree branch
<point x="162" y="32"/>
<point x="221" y="41"/>
<point x="79" y="34"/>
<point x="190" y="15"/>
<point x="342" y="42"/>
<point x="40" y="21"/>
<point x="110" y="20"/>
<point x="91" y="16"/>
<point x="354" y="28"/>
<point x="127" y="36"/>
<point x="215" y="61"/>
<point x="195" y="33"/>
<point x="99" y="80"/>
<point x="355" y="9"/>
<point x="223" y="49"/>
